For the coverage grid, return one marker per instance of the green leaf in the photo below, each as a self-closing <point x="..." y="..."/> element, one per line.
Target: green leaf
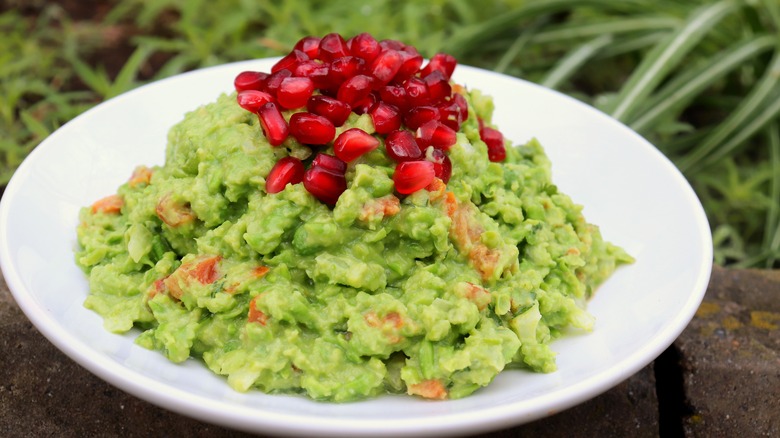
<point x="575" y="59"/>
<point x="666" y="56"/>
<point x="96" y="79"/>
<point x="740" y="115"/>
<point x="600" y="27"/>
<point x="772" y="226"/>
<point x="473" y="37"/>
<point x="690" y="83"/>
<point x="125" y="79"/>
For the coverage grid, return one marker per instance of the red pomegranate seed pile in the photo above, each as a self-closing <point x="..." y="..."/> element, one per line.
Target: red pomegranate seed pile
<point x="323" y="80"/>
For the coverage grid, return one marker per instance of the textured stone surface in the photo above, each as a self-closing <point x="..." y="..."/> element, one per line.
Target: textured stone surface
<point x="627" y="410"/>
<point x="731" y="357"/>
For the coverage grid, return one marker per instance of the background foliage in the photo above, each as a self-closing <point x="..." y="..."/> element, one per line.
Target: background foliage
<point x="700" y="79"/>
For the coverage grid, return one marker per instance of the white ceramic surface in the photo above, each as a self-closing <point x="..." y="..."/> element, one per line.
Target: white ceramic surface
<point x="628" y="188"/>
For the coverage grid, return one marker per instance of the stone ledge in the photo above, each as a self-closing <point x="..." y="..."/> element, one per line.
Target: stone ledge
<point x="731" y="357"/>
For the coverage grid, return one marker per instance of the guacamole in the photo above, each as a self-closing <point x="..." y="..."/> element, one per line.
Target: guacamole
<point x="431" y="293"/>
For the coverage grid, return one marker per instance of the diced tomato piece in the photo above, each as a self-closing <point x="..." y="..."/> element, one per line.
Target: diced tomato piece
<point x="437" y="189"/>
<point x="388" y="324"/>
<point x="245" y="277"/>
<point x="255" y="315"/>
<point x="157" y="288"/>
<point x="451" y="203"/>
<point x="141" y="175"/>
<point x="260" y="271"/>
<point x="476" y="294"/>
<point x="394" y="319"/>
<point x="385" y="206"/>
<point x="111" y="204"/>
<point x="205" y="271"/>
<point x="172" y="285"/>
<point x="432" y="389"/>
<point x="173" y="213"/>
<point x="484" y="260"/>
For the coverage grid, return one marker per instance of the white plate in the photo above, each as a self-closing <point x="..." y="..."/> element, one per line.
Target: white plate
<point x="628" y="188"/>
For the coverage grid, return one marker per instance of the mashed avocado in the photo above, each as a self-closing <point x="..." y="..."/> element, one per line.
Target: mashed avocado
<point x="431" y="294"/>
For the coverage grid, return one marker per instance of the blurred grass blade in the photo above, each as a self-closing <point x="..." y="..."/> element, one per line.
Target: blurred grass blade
<point x="620" y="25"/>
<point x="96" y="79"/>
<point x="739" y="116"/>
<point x="772" y="230"/>
<point x="628" y="44"/>
<point x="665" y="56"/>
<point x="760" y="120"/>
<point x="34" y="125"/>
<point x="126" y="78"/>
<point x="728" y="244"/>
<point x="471" y="38"/>
<point x="573" y="60"/>
<point x="688" y="85"/>
<point x="519" y="43"/>
<point x="772" y="9"/>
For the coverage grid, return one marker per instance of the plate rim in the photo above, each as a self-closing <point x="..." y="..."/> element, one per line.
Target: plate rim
<point x="204" y="409"/>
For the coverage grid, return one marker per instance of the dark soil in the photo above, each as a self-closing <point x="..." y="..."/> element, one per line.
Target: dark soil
<point x="117" y="39"/>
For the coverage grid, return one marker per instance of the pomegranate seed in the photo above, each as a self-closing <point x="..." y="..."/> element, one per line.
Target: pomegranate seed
<point x="324" y="185"/>
<point x="409" y="49"/>
<point x="495" y="143"/>
<point x="365" y="104"/>
<point x="411" y="176"/>
<point x="444" y="137"/>
<point x="385" y="66"/>
<point x="394" y="95"/>
<point x="309" y="45"/>
<point x="364" y="46"/>
<point x="344" y="68"/>
<point x="294" y="92"/>
<point x="442" y="62"/>
<point x="275" y="81"/>
<point x="353" y="143"/>
<point x="463" y="105"/>
<point x="332" y="109"/>
<point x="410" y="65"/>
<point x="332" y="46"/>
<point x="424" y="133"/>
<point x="250" y="80"/>
<point x="288" y="170"/>
<point x="450" y="114"/>
<point x="401" y="146"/>
<point x="310" y="128"/>
<point x="330" y="163"/>
<point x="314" y="70"/>
<point x="436" y="134"/>
<point x="415" y="117"/>
<point x="290" y="61"/>
<point x="391" y="45"/>
<point x="442" y="166"/>
<point x="355" y="89"/>
<point x="274" y="126"/>
<point x="325" y="178"/>
<point x="386" y="117"/>
<point x="438" y="86"/>
<point x="252" y="100"/>
<point x="416" y="91"/>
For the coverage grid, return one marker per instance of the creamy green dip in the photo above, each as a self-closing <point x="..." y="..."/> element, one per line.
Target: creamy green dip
<point x="433" y="295"/>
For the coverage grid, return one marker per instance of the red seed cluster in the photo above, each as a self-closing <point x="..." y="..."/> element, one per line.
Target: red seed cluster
<point x="326" y="79"/>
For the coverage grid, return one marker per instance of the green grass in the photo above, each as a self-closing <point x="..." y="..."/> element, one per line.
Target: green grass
<point x="699" y="79"/>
